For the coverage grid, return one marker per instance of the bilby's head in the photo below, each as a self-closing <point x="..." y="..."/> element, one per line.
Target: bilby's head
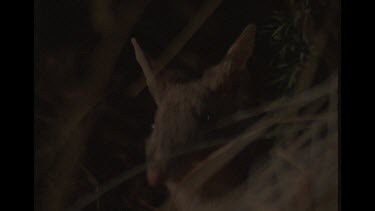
<point x="180" y="105"/>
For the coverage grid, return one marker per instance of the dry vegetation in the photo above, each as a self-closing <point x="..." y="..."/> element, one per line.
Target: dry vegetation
<point x="272" y="144"/>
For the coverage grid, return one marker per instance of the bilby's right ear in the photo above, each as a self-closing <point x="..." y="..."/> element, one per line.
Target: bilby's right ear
<point x="242" y="49"/>
<point x="235" y="59"/>
<point x="154" y="86"/>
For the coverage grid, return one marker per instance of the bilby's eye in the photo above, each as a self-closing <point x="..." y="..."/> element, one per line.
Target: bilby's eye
<point x="207" y="117"/>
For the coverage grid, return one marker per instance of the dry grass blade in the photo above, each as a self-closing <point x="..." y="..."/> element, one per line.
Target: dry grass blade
<point x="91" y="197"/>
<point x="298" y="100"/>
<point x="60" y="176"/>
<point x="201" y="173"/>
<point x="291" y="181"/>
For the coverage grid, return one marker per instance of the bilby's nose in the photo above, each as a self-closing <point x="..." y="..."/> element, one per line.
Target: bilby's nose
<point x="153" y="177"/>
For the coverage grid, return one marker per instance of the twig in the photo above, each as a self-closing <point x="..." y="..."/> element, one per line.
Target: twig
<point x="92" y="179"/>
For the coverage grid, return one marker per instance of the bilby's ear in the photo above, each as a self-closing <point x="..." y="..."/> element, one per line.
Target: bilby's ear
<point x="235" y="59"/>
<point x="242" y="49"/>
<point x="141" y="58"/>
<point x="154" y="86"/>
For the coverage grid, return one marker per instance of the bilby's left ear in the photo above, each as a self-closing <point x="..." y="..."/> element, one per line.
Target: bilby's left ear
<point x="155" y="87"/>
<point x="242" y="49"/>
<point x="236" y="59"/>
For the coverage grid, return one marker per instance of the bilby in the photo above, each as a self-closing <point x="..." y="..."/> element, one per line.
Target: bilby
<point x="180" y="105"/>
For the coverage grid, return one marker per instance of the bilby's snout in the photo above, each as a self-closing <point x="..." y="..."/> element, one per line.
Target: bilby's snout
<point x="155" y="172"/>
<point x="153" y="177"/>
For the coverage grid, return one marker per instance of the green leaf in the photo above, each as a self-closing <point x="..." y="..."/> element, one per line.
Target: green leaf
<point x="276" y="35"/>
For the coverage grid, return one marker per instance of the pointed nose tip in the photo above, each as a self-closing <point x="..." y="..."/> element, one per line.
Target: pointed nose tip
<point x="153" y="177"/>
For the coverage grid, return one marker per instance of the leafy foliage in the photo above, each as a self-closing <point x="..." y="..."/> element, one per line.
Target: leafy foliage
<point x="289" y="47"/>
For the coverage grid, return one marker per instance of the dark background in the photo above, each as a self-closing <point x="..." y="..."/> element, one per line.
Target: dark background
<point x="119" y="124"/>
